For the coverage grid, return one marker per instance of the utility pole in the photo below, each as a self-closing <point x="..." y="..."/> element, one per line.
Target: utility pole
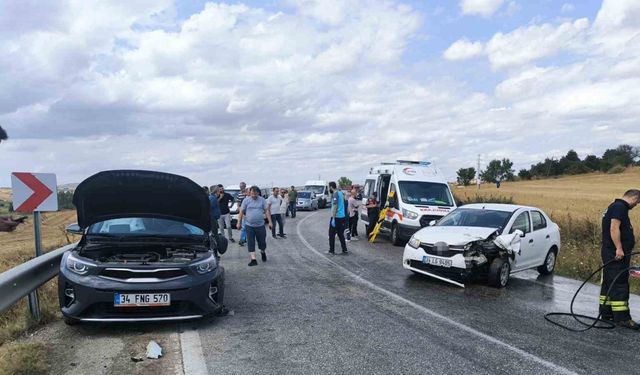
<point x="478" y="173"/>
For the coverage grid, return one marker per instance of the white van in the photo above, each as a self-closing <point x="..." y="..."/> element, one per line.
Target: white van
<point x="422" y="195"/>
<point x="321" y="191"/>
<point x="234" y="207"/>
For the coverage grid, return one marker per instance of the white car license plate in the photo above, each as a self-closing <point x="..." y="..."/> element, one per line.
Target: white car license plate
<point x="437" y="261"/>
<point x="141" y="299"/>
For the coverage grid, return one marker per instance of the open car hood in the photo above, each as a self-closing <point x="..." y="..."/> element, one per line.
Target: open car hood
<point x="453" y="235"/>
<point x="130" y="193"/>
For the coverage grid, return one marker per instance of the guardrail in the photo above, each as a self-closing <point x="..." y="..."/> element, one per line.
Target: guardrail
<point x="21" y="280"/>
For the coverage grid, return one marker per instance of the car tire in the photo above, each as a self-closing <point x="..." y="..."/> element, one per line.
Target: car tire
<point x="549" y="264"/>
<point x="499" y="272"/>
<point x="70" y="321"/>
<point x="395" y="235"/>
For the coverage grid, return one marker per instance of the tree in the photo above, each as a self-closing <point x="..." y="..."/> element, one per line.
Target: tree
<point x="344" y="182"/>
<point x="622" y="155"/>
<point x="592" y="162"/>
<point x="524" y="174"/>
<point x="495" y="168"/>
<point x="465" y="175"/>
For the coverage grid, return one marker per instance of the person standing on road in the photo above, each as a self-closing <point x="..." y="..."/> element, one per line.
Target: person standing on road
<point x="224" y="201"/>
<point x="284" y="206"/>
<point x="240" y="198"/>
<point x="252" y="211"/>
<point x="293" y="199"/>
<point x="617" y="243"/>
<point x="354" y="209"/>
<point x="338" y="222"/>
<point x="373" y="211"/>
<point x="274" y="202"/>
<point x="215" y="209"/>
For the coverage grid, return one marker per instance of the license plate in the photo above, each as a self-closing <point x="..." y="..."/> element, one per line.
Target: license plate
<point x="437" y="261"/>
<point x="141" y="299"/>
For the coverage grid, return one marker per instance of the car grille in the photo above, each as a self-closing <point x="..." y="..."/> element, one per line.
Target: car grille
<point x="430" y="249"/>
<point x="426" y="219"/>
<point x="177" y="308"/>
<point x="160" y="274"/>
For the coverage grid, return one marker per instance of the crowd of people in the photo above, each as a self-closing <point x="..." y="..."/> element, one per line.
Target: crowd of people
<point x="255" y="211"/>
<point x="258" y="210"/>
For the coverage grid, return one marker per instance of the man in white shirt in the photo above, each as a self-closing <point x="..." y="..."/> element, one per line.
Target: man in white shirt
<point x="274" y="202"/>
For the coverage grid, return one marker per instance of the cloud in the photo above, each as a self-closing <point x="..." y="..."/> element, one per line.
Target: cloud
<point x="282" y="94"/>
<point x="527" y="44"/>
<point x="463" y="49"/>
<point x="484" y="8"/>
<point x="567" y="8"/>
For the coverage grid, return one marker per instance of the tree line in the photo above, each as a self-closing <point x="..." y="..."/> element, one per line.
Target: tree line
<point x="613" y="160"/>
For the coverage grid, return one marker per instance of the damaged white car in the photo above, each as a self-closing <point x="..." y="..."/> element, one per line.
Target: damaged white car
<point x="484" y="242"/>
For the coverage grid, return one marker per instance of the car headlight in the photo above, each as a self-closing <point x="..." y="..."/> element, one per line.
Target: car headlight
<point x="414" y="242"/>
<point x="409" y="214"/>
<point x="78" y="266"/>
<point x="206" y="265"/>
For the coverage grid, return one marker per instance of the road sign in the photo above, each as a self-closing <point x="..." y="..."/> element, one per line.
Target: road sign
<point x="34" y="192"/>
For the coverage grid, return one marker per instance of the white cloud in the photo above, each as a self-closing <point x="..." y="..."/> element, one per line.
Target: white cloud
<point x="484" y="8"/>
<point x="567" y="8"/>
<point x="527" y="44"/>
<point x="463" y="49"/>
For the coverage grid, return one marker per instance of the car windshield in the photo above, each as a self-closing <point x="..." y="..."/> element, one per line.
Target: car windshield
<point x="234" y="193"/>
<point x="318" y="189"/>
<point x="304" y="194"/>
<point x="425" y="193"/>
<point x="136" y="226"/>
<point x="468" y="217"/>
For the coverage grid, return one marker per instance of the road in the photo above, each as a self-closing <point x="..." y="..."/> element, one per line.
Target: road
<point x="305" y="311"/>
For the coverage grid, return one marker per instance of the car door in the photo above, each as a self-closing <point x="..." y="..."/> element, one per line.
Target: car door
<point x="541" y="237"/>
<point x="369" y="188"/>
<point x="527" y="252"/>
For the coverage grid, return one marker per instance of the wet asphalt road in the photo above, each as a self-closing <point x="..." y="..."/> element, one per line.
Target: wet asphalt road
<point x="305" y="311"/>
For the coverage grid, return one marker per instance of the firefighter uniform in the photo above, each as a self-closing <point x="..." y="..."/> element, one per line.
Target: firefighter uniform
<point x="616" y="307"/>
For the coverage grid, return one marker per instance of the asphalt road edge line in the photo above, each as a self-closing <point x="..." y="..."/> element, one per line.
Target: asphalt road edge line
<point x="193" y="362"/>
<point x="361" y="280"/>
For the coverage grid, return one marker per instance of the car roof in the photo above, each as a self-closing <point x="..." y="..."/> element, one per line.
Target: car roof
<point x="497" y="207"/>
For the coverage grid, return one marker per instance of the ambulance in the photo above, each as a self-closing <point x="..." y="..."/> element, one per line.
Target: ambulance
<point x="422" y="195"/>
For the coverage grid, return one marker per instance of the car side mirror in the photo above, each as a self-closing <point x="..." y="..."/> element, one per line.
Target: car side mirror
<point x="432" y="223"/>
<point x="221" y="243"/>
<point x="74" y="229"/>
<point x="519" y="232"/>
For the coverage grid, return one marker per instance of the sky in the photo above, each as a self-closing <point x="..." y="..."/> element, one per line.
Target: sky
<point x="283" y="91"/>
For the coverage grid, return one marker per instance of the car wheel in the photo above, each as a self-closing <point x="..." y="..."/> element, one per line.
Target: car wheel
<point x="549" y="264"/>
<point x="395" y="235"/>
<point x="70" y="321"/>
<point x="499" y="272"/>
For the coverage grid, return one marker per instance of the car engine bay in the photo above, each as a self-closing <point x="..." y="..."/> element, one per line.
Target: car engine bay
<point x="144" y="254"/>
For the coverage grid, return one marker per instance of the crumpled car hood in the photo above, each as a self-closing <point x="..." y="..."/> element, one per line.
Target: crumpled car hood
<point x="133" y="193"/>
<point x="456" y="236"/>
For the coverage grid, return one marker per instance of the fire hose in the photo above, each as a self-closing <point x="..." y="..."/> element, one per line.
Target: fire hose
<point x="590" y="322"/>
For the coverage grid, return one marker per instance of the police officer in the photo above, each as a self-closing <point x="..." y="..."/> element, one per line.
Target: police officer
<point x="617" y="243"/>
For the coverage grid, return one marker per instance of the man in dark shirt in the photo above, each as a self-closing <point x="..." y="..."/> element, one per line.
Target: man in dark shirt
<point x="373" y="211"/>
<point x="224" y="201"/>
<point x="617" y="243"/>
<point x="293" y="199"/>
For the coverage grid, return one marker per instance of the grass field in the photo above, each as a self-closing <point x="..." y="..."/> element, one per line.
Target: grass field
<point x="576" y="203"/>
<point x="18" y="247"/>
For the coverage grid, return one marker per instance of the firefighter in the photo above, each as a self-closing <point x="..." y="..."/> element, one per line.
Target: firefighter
<point x="617" y="243"/>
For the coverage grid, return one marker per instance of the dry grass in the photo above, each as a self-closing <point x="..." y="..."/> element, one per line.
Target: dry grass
<point x="23" y="359"/>
<point x="18" y="247"/>
<point x="576" y="203"/>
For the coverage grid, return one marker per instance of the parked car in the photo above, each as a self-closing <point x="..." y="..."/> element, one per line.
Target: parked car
<point x="307" y="200"/>
<point x="146" y="253"/>
<point x="484" y="241"/>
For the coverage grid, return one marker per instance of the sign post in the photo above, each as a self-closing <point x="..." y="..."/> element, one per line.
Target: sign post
<point x="34" y="192"/>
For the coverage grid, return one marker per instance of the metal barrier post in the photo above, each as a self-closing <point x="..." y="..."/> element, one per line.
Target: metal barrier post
<point x="34" y="304"/>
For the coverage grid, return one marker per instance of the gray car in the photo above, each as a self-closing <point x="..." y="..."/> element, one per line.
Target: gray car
<point x="307" y="201"/>
<point x="146" y="252"/>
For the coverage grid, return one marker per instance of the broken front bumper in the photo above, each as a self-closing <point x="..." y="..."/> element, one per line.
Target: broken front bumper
<point x="414" y="260"/>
